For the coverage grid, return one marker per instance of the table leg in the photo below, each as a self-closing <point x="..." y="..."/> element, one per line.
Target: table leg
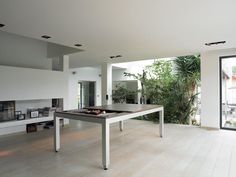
<point x="161" y="123"/>
<point x="121" y="125"/>
<point x="56" y="134"/>
<point x="105" y="145"/>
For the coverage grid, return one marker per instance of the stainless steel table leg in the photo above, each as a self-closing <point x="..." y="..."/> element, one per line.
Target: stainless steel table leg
<point x="105" y="145"/>
<point x="56" y="134"/>
<point x="121" y="125"/>
<point x="161" y="123"/>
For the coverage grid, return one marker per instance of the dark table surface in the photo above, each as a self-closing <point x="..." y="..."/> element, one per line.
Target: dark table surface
<point x="111" y="110"/>
<point x="125" y="107"/>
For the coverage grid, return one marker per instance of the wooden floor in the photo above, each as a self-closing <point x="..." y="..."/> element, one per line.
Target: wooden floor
<point x="136" y="152"/>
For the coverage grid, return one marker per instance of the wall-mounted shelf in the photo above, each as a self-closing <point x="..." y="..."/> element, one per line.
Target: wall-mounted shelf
<point x="25" y="122"/>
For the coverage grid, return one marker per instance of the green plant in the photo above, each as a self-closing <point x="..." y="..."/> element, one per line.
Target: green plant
<point x="142" y="78"/>
<point x="173" y="84"/>
<point x="123" y="95"/>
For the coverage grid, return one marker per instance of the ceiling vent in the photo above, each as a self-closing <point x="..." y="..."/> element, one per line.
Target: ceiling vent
<point x="78" y="45"/>
<point x="215" y="43"/>
<point x="46" y="37"/>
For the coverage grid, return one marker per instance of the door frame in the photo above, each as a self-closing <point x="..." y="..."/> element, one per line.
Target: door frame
<point x="220" y="84"/>
<point x="95" y="89"/>
<point x="81" y="93"/>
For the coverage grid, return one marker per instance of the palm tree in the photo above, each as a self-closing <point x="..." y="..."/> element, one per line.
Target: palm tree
<point x="188" y="72"/>
<point x="188" y="68"/>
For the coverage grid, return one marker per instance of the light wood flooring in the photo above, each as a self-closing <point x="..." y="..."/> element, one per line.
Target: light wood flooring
<point x="138" y="151"/>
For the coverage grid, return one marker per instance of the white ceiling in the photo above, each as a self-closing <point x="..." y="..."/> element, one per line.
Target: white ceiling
<point x="136" y="29"/>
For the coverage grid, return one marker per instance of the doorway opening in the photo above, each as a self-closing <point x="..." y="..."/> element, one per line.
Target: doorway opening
<point x="228" y="92"/>
<point x="86" y="94"/>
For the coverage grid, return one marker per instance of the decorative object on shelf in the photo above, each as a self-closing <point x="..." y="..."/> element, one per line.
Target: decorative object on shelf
<point x="17" y="113"/>
<point x="46" y="111"/>
<point x="21" y="117"/>
<point x="34" y="114"/>
<point x="40" y="112"/>
<point x="31" y="128"/>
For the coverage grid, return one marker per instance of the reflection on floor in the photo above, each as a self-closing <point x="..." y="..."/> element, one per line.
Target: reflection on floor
<point x="230" y="122"/>
<point x="137" y="152"/>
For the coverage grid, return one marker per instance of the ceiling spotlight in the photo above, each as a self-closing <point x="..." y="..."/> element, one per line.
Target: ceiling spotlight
<point x="46" y="37"/>
<point x="78" y="45"/>
<point x="118" y="56"/>
<point x="2" y="25"/>
<point x="115" y="56"/>
<point x="215" y="43"/>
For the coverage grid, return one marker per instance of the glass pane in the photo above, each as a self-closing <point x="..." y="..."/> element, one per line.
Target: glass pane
<point x="228" y="92"/>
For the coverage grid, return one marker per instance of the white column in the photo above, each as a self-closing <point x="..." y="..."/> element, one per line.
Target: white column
<point x="139" y="93"/>
<point x="106" y="83"/>
<point x="66" y="104"/>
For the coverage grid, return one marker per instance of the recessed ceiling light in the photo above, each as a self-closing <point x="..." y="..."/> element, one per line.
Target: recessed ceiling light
<point x="2" y="25"/>
<point x="215" y="43"/>
<point x="46" y="37"/>
<point x="78" y="45"/>
<point x="118" y="56"/>
<point x="115" y="56"/>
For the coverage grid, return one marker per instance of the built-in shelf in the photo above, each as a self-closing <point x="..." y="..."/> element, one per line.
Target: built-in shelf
<point x="25" y="122"/>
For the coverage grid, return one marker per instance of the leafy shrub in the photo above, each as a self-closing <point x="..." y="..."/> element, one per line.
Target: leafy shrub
<point x="172" y="84"/>
<point x="121" y="94"/>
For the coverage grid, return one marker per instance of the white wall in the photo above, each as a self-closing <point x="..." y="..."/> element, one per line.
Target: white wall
<point x="26" y="72"/>
<point x="118" y="75"/>
<point x="83" y="74"/>
<point x="23" y="105"/>
<point x="210" y="109"/>
<point x="130" y="67"/>
<point x="23" y="84"/>
<point x="21" y="51"/>
<point x="30" y="84"/>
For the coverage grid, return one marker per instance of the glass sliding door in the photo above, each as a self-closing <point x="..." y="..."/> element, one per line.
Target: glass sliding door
<point x="228" y="92"/>
<point x="86" y="94"/>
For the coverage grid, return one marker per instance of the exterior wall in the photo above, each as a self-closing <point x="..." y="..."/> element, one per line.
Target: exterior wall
<point x="210" y="103"/>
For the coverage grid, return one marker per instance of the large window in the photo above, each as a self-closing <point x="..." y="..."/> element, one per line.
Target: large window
<point x="228" y="92"/>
